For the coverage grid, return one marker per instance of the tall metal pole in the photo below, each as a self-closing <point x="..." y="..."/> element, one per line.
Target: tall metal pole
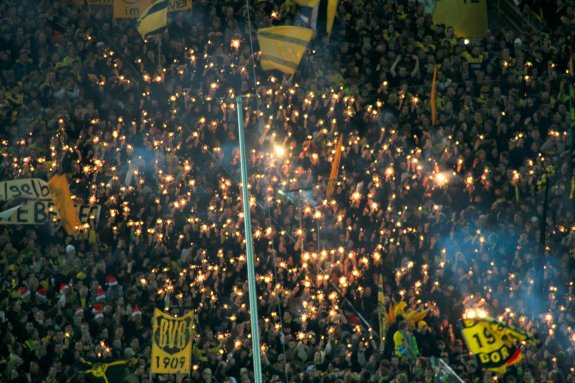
<point x="543" y="227"/>
<point x="159" y="55"/>
<point x="571" y="151"/>
<point x="249" y="248"/>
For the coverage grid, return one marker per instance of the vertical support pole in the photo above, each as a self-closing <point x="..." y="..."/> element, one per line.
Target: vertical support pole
<point x="249" y="247"/>
<point x="543" y="227"/>
<point x="160" y="55"/>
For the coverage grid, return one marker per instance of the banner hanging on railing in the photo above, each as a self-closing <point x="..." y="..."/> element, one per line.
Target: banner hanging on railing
<point x="172" y="343"/>
<point x="468" y="18"/>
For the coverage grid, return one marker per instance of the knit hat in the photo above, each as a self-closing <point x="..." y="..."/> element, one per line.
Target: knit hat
<point x="111" y="281"/>
<point x="100" y="295"/>
<point x="24" y="292"/>
<point x="78" y="310"/>
<point x="98" y="314"/>
<point x="42" y="294"/>
<point x="136" y="311"/>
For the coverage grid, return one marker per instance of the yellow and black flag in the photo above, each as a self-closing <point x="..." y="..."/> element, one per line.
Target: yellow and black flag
<point x="318" y="15"/>
<point x="154" y="19"/>
<point x="331" y="11"/>
<point x="494" y="343"/>
<point x="381" y="308"/>
<point x="283" y="47"/>
<point x="100" y="372"/>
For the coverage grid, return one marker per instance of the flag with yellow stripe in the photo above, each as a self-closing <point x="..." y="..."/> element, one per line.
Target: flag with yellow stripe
<point x="283" y="47"/>
<point x="60" y="190"/>
<point x="381" y="308"/>
<point x="331" y="11"/>
<point x="334" y="169"/>
<point x="154" y="19"/>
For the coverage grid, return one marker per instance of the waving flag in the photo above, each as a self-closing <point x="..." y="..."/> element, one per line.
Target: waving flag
<point x="494" y="343"/>
<point x="283" y="47"/>
<point x="154" y="19"/>
<point x="381" y="308"/>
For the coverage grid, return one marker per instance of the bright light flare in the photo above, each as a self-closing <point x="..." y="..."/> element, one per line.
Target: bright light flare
<point x="279" y="150"/>
<point x="441" y="179"/>
<point x="473" y="313"/>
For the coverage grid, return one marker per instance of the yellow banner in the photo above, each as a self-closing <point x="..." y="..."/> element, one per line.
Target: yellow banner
<point x="62" y="198"/>
<point x="467" y="17"/>
<point x="493" y="342"/>
<point x="132" y="9"/>
<point x="172" y="343"/>
<point x="179" y="5"/>
<point x="26" y="188"/>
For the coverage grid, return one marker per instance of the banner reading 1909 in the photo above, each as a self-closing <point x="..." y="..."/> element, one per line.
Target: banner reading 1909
<point x="172" y="343"/>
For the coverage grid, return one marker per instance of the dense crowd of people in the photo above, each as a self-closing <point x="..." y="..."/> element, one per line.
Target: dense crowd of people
<point x="449" y="212"/>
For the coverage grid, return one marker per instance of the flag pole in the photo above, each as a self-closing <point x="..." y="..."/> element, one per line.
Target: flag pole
<point x="249" y="247"/>
<point x="571" y="151"/>
<point x="159" y="36"/>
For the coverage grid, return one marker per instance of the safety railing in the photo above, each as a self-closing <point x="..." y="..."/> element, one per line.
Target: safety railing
<point x="443" y="373"/>
<point x="521" y="19"/>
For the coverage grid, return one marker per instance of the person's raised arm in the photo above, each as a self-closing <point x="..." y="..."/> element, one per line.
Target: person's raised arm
<point x="394" y="65"/>
<point x="415" y="70"/>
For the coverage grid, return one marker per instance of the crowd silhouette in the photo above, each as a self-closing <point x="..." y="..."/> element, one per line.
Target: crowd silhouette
<point x="472" y="211"/>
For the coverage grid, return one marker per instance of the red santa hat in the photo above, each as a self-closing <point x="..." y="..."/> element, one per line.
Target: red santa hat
<point x="98" y="310"/>
<point x="100" y="295"/>
<point x="24" y="292"/>
<point x="111" y="281"/>
<point x="42" y="294"/>
<point x="136" y="312"/>
<point x="97" y="307"/>
<point x="78" y="310"/>
<point x="64" y="288"/>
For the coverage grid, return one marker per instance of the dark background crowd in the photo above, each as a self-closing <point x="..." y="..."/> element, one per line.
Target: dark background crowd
<point x="451" y="214"/>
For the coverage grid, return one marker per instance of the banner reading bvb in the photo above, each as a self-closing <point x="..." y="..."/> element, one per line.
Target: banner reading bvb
<point x="172" y="343"/>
